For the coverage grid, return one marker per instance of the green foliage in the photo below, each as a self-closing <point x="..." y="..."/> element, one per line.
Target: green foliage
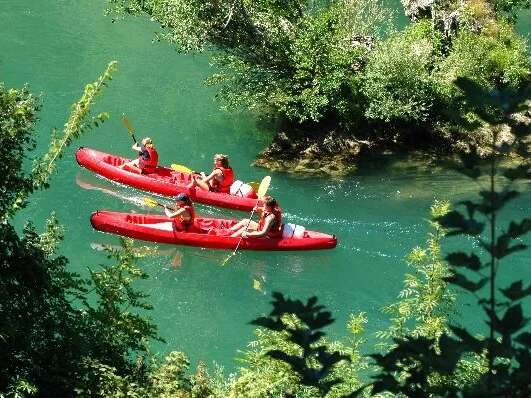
<point x="263" y="376"/>
<point x="116" y="328"/>
<point x="510" y="8"/>
<point x="425" y="302"/>
<point x="497" y="365"/>
<point x="17" y="118"/>
<point x="397" y="82"/>
<point x="169" y="379"/>
<point x="48" y="329"/>
<point x="323" y="65"/>
<point x="73" y="128"/>
<point x="293" y="58"/>
<point x="508" y="348"/>
<point x="18" y="113"/>
<point x="313" y="362"/>
<point x="491" y="58"/>
<point x="166" y="380"/>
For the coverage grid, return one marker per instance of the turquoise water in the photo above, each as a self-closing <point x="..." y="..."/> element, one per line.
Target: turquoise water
<point x="202" y="308"/>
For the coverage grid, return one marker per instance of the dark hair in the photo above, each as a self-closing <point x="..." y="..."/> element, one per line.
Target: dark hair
<point x="182" y="197"/>
<point x="269" y="201"/>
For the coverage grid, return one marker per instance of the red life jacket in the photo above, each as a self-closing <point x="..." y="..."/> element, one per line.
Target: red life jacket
<point x="148" y="165"/>
<point x="276" y="227"/>
<point x="223" y="182"/>
<point x="180" y="222"/>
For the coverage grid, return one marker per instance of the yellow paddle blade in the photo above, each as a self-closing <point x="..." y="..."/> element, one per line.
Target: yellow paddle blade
<point x="150" y="202"/>
<point x="257" y="285"/>
<point x="264" y="186"/>
<point x="180" y="168"/>
<point x="127" y="124"/>
<point x="254" y="185"/>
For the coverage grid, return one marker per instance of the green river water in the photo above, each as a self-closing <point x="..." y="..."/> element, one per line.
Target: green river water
<point x="202" y="308"/>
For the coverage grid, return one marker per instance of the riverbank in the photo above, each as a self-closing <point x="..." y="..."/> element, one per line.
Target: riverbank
<point x="333" y="153"/>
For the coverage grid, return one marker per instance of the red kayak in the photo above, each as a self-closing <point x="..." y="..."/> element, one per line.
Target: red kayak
<point x="208" y="232"/>
<point x="163" y="181"/>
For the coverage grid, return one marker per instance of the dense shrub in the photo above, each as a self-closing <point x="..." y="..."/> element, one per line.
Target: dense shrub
<point x="397" y="82"/>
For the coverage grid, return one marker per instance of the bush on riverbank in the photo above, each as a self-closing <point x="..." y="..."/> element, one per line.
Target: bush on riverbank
<point x="338" y="67"/>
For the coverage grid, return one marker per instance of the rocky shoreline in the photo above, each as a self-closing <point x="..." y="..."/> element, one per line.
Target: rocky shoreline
<point x="337" y="154"/>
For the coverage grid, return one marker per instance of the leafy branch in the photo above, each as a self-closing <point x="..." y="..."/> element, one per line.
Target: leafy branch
<point x="75" y="126"/>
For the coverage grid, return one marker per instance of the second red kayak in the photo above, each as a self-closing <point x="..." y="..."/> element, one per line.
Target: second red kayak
<point x="163" y="181"/>
<point x="207" y="232"/>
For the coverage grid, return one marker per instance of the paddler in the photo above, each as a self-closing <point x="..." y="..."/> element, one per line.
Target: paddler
<point x="183" y="214"/>
<point x="147" y="160"/>
<point x="269" y="225"/>
<point x="220" y="178"/>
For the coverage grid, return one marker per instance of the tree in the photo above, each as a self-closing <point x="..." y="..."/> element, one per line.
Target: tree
<point x="47" y="325"/>
<point x="508" y="346"/>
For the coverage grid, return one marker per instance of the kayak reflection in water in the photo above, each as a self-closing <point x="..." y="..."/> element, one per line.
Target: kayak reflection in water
<point x="147" y="160"/>
<point x="220" y="178"/>
<point x="183" y="214"/>
<point x="270" y="223"/>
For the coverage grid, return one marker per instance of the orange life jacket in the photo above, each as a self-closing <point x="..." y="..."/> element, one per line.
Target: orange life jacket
<point x="182" y="223"/>
<point x="148" y="163"/>
<point x="276" y="227"/>
<point x="223" y="182"/>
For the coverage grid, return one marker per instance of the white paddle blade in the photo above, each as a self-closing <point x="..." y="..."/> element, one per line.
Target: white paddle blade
<point x="264" y="186"/>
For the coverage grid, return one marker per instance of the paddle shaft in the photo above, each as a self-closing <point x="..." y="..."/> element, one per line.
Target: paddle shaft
<point x="241" y="237"/>
<point x="129" y="128"/>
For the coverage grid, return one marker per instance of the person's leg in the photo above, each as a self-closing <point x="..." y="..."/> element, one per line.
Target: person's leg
<point x="131" y="166"/>
<point x="239" y="224"/>
<point x="201" y="184"/>
<point x="253" y="226"/>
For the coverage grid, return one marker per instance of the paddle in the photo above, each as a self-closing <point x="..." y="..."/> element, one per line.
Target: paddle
<point x="254" y="185"/>
<point x="180" y="168"/>
<point x="262" y="189"/>
<point x="128" y="126"/>
<point x="183" y="169"/>
<point x="150" y="202"/>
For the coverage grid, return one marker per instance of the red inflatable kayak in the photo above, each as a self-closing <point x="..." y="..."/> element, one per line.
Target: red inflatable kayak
<point x="208" y="232"/>
<point x="163" y="181"/>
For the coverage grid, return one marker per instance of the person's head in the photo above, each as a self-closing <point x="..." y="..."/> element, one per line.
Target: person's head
<point x="270" y="203"/>
<point x="183" y="199"/>
<point x="147" y="142"/>
<point x="221" y="160"/>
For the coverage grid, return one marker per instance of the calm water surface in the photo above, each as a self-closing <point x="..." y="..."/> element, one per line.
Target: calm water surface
<point x="202" y="308"/>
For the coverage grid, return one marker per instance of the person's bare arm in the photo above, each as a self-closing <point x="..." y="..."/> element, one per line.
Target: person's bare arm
<point x="136" y="147"/>
<point x="263" y="232"/>
<point x="212" y="175"/>
<point x="172" y="212"/>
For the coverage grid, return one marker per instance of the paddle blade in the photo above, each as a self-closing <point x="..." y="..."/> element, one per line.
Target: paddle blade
<point x="227" y="259"/>
<point x="180" y="168"/>
<point x="254" y="185"/>
<point x="150" y="202"/>
<point x="264" y="186"/>
<point x="127" y="124"/>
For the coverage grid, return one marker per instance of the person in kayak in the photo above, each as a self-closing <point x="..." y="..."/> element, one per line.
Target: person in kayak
<point x="269" y="225"/>
<point x="147" y="160"/>
<point x="219" y="180"/>
<point x="183" y="214"/>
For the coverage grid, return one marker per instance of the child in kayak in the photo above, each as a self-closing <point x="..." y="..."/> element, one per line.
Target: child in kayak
<point x="183" y="214"/>
<point x="147" y="160"/>
<point x="219" y="180"/>
<point x="270" y="223"/>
